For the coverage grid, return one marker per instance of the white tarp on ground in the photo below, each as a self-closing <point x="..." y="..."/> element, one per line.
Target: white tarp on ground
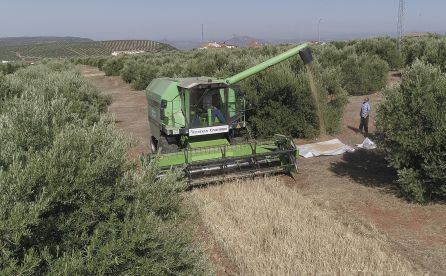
<point x="331" y="147"/>
<point x="367" y="144"/>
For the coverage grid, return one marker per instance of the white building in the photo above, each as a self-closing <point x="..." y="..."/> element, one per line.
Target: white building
<point x="215" y="45"/>
<point x="133" y="52"/>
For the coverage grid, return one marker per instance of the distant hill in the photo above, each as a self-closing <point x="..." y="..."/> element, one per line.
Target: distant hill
<point x="73" y="48"/>
<point x="135" y="45"/>
<point x="183" y="44"/>
<point x="244" y="41"/>
<point x="239" y="41"/>
<point x="11" y="41"/>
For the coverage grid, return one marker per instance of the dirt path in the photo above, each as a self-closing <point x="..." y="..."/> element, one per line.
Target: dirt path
<point x="129" y="107"/>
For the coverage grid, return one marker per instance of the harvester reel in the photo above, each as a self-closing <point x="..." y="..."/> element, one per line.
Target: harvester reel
<point x="223" y="163"/>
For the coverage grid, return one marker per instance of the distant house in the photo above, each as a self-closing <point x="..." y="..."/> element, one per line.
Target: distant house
<point x="314" y="42"/>
<point x="133" y="52"/>
<point x="215" y="45"/>
<point x="210" y="45"/>
<point x="228" y="46"/>
<point x="5" y="61"/>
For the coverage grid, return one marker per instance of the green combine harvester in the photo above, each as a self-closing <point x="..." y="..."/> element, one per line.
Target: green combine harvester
<point x="193" y="122"/>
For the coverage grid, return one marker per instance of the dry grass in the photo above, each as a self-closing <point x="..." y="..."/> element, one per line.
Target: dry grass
<point x="266" y="228"/>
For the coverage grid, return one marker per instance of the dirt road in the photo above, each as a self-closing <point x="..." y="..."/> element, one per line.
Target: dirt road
<point x="129" y="107"/>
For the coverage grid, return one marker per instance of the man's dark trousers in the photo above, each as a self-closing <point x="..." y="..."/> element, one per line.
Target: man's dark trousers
<point x="364" y="125"/>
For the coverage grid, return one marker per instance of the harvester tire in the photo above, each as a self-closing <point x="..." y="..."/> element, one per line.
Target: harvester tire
<point x="153" y="145"/>
<point x="162" y="145"/>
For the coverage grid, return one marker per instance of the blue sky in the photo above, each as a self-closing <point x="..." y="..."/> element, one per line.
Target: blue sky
<point x="181" y="20"/>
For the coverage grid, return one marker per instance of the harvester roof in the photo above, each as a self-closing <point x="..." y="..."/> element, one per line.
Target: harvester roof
<point x="200" y="81"/>
<point x="188" y="83"/>
<point x="168" y="87"/>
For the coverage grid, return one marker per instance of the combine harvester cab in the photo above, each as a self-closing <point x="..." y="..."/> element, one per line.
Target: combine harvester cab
<point x="194" y="120"/>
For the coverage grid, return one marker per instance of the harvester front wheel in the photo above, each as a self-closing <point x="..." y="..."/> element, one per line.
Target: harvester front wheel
<point x="162" y="145"/>
<point x="153" y="145"/>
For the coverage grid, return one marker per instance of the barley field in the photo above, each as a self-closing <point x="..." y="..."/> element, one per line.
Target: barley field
<point x="266" y="228"/>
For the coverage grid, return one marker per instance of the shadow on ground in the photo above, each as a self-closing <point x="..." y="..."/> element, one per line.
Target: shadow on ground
<point x="355" y="129"/>
<point x="367" y="167"/>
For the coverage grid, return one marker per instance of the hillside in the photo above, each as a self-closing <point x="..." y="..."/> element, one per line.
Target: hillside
<point x="244" y="41"/>
<point x="135" y="45"/>
<point x="32" y="51"/>
<point x="183" y="44"/>
<point x="12" y="41"/>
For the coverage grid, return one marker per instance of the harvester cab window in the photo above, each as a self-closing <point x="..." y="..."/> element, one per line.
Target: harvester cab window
<point x="207" y="108"/>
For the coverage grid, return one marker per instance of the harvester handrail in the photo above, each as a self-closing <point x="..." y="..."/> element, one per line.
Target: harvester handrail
<point x="218" y="147"/>
<point x="266" y="64"/>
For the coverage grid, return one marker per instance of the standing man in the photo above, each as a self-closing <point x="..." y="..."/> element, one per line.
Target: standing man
<point x="365" y="113"/>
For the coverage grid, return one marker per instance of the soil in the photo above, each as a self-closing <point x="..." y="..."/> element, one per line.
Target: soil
<point x="358" y="185"/>
<point x="129" y="107"/>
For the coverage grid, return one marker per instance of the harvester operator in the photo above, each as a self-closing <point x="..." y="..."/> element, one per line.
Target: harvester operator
<point x="215" y="112"/>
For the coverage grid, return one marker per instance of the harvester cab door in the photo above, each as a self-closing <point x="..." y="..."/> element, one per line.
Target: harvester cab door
<point x="184" y="103"/>
<point x="235" y="102"/>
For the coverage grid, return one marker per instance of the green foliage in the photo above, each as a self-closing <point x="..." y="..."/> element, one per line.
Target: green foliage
<point x="138" y="73"/>
<point x="363" y="74"/>
<point x="11" y="67"/>
<point x="360" y="73"/>
<point x="93" y="61"/>
<point x="413" y="49"/>
<point x="431" y="49"/>
<point x="412" y="131"/>
<point x="70" y="201"/>
<point x="113" y="66"/>
<point x="283" y="103"/>
<point x="435" y="53"/>
<point x="328" y="55"/>
<point x="330" y="81"/>
<point x="384" y="48"/>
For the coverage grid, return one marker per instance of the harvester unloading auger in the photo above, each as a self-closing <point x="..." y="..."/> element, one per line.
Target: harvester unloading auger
<point x="194" y="120"/>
